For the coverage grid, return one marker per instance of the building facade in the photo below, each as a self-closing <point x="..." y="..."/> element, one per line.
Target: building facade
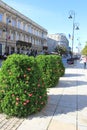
<point x="51" y="43"/>
<point x="18" y="33"/>
<point x="57" y="39"/>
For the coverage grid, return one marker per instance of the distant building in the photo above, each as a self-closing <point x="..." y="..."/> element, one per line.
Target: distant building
<point x="54" y="40"/>
<point x="51" y="43"/>
<point x="19" y="33"/>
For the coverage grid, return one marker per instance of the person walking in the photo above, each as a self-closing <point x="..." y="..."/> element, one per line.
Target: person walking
<point x="85" y="61"/>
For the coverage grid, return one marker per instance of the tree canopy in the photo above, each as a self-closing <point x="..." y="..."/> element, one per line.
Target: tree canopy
<point x="84" y="51"/>
<point x="61" y="50"/>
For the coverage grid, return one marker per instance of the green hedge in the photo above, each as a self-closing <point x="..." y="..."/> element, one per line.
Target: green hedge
<point x="23" y="91"/>
<point x="52" y="68"/>
<point x="24" y="81"/>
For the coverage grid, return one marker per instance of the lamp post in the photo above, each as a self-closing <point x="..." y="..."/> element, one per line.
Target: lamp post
<point x="5" y="29"/>
<point x="75" y="26"/>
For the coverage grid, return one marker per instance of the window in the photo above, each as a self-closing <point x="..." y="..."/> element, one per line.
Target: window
<point x="0" y="33"/>
<point x="42" y="34"/>
<point x="14" y="22"/>
<point x="12" y="36"/>
<point x="8" y="20"/>
<point x="17" y="37"/>
<point x="19" y="24"/>
<point x="1" y="17"/>
<point x="26" y="38"/>
<point x="24" y="27"/>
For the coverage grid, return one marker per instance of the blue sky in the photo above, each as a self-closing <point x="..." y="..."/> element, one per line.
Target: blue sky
<point x="53" y="15"/>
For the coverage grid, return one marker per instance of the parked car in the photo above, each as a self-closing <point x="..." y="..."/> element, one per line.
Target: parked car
<point x="76" y="57"/>
<point x="70" y="61"/>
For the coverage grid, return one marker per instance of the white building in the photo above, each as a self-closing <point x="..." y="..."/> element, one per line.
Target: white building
<point x="18" y="33"/>
<point x="57" y="39"/>
<point x="51" y="43"/>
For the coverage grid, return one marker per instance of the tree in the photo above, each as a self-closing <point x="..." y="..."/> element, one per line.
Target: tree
<point x="84" y="51"/>
<point x="61" y="50"/>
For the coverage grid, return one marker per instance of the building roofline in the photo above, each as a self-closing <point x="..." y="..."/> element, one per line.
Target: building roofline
<point x="17" y="13"/>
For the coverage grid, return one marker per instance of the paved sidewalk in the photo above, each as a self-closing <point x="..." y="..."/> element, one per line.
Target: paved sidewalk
<point x="66" y="108"/>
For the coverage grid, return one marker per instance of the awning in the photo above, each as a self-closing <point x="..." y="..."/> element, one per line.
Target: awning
<point x="23" y="43"/>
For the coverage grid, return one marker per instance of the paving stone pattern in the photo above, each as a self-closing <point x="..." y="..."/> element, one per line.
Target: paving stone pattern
<point x="7" y="123"/>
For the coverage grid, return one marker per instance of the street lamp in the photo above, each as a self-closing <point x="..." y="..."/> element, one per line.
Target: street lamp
<point x="75" y="26"/>
<point x="5" y="29"/>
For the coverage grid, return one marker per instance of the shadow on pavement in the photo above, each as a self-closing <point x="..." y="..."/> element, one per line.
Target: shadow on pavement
<point x="73" y="75"/>
<point x="64" y="104"/>
<point x="70" y="103"/>
<point x="70" y="83"/>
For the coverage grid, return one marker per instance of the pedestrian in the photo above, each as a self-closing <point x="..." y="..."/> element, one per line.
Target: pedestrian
<point x="85" y="61"/>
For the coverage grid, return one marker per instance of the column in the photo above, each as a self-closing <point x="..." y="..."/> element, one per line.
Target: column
<point x="4" y="18"/>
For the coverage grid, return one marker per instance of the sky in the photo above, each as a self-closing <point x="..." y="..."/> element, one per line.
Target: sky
<point x="53" y="16"/>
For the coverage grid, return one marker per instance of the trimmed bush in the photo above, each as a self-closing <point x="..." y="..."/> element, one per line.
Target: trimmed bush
<point x="23" y="90"/>
<point x="24" y="81"/>
<point x="52" y="68"/>
<point x="61" y="67"/>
